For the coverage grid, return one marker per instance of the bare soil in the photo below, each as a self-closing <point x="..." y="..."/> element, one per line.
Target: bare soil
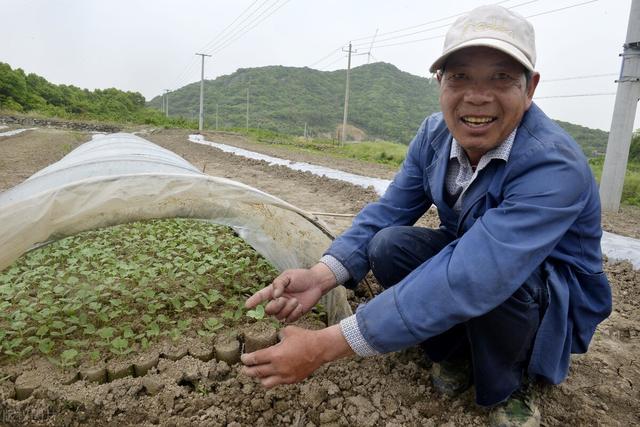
<point x="603" y="387"/>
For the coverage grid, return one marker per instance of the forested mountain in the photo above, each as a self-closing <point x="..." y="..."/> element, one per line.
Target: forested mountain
<point x="22" y="92"/>
<point x="385" y="102"/>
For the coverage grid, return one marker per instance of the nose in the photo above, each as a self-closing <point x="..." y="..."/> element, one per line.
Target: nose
<point x="478" y="94"/>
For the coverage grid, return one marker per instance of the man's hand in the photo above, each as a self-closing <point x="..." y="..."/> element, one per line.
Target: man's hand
<point x="296" y="356"/>
<point x="294" y="292"/>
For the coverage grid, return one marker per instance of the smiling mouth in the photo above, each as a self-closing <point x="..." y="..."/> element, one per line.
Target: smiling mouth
<point x="478" y="121"/>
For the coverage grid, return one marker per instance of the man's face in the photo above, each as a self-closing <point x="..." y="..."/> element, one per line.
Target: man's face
<point x="483" y="96"/>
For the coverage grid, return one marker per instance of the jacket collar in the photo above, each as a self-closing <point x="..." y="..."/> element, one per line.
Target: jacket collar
<point x="437" y="170"/>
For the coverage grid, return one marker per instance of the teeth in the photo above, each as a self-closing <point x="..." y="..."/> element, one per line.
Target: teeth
<point x="477" y="120"/>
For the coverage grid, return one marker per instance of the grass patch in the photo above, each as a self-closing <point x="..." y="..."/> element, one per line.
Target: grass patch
<point x="392" y="154"/>
<point x="383" y="152"/>
<point x="631" y="187"/>
<point x="115" y="290"/>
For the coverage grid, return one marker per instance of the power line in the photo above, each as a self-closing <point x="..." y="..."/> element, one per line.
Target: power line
<point x="257" y="21"/>
<point x="222" y="36"/>
<point x="189" y="67"/>
<point x="229" y="26"/>
<point x="326" y="67"/>
<point x="562" y="8"/>
<point x="184" y="76"/>
<point x="222" y="40"/>
<point x="423" y="24"/>
<point x="372" y="40"/>
<point x="575" y="95"/>
<point x="326" y="56"/>
<point x="183" y="73"/>
<point x="410" y="41"/>
<point x="445" y="25"/>
<point x="448" y="24"/>
<point x="589" y="76"/>
<point x="428" y="23"/>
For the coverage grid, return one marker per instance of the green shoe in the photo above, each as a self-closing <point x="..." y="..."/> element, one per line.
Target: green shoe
<point x="451" y="378"/>
<point x="519" y="411"/>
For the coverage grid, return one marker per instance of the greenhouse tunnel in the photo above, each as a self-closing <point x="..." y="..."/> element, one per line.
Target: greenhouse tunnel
<point x="121" y="178"/>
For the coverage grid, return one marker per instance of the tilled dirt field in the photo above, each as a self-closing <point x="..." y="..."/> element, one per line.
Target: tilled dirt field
<point x="603" y="387"/>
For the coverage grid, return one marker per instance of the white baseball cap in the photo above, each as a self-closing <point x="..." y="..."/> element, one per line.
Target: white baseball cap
<point x="495" y="27"/>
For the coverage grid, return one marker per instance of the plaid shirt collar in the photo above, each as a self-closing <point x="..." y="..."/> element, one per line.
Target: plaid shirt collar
<point x="501" y="152"/>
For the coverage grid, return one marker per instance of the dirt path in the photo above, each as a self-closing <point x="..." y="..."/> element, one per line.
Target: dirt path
<point x="603" y="387"/>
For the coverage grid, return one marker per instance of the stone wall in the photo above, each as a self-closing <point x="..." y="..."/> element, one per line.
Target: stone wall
<point x="57" y="123"/>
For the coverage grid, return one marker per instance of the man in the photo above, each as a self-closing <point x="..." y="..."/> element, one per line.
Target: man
<point x="510" y="284"/>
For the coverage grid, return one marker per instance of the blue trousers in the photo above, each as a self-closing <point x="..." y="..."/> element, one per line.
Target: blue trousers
<point x="497" y="343"/>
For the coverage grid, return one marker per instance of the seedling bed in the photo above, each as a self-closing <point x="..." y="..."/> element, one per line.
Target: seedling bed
<point x="112" y="292"/>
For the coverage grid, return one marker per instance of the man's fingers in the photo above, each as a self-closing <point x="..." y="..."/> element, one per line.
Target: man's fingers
<point x="259" y="371"/>
<point x="258" y="357"/>
<point x="275" y="305"/>
<point x="279" y="284"/>
<point x="264" y="294"/>
<point x="271" y="292"/>
<point x="288" y="308"/>
<point x="295" y="314"/>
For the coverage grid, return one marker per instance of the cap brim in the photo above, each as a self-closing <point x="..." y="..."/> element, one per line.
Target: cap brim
<point x="500" y="45"/>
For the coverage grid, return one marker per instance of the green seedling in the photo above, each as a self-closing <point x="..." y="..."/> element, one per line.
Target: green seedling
<point x="68" y="358"/>
<point x="257" y="313"/>
<point x="120" y="346"/>
<point x="112" y="290"/>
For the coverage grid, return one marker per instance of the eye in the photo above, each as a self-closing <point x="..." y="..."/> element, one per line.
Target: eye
<point x="503" y="76"/>
<point x="457" y="77"/>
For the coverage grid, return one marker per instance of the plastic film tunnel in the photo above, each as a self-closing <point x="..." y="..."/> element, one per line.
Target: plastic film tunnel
<point x="120" y="178"/>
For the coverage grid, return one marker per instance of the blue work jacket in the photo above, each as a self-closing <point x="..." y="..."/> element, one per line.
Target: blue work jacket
<point x="540" y="208"/>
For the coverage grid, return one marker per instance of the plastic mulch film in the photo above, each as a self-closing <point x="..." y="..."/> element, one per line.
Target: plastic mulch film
<point x="120" y="178"/>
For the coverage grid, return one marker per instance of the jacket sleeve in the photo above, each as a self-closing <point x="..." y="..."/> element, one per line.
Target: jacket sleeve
<point x="403" y="203"/>
<point x="544" y="192"/>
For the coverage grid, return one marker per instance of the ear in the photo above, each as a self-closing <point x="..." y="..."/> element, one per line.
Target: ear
<point x="439" y="76"/>
<point x="531" y="87"/>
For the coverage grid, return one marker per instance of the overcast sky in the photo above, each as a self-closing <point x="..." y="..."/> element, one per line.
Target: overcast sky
<point x="148" y="46"/>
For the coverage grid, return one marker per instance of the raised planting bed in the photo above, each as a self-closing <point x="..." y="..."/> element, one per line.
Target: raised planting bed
<point x="98" y="299"/>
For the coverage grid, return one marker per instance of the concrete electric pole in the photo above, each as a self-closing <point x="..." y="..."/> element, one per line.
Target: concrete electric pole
<point x="346" y="99"/>
<point x="201" y="116"/>
<point x="166" y="102"/>
<point x="247" y="124"/>
<point x="624" y="111"/>
<point x="216" y="116"/>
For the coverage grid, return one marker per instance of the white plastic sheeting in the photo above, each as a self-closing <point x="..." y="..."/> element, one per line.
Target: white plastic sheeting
<point x="621" y="248"/>
<point x="380" y="185"/>
<point x="614" y="246"/>
<point x="122" y="178"/>
<point x="14" y="132"/>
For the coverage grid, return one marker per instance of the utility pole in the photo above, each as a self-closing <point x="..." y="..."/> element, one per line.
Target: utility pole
<point x="624" y="111"/>
<point x="371" y="46"/>
<point x="201" y="117"/>
<point x="166" y="102"/>
<point x="346" y="99"/>
<point x="216" y="116"/>
<point x="305" y="131"/>
<point x="247" y="125"/>
<point x="162" y="105"/>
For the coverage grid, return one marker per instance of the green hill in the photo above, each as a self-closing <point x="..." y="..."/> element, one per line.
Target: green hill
<point x="385" y="102"/>
<point x="592" y="141"/>
<point x="22" y="92"/>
